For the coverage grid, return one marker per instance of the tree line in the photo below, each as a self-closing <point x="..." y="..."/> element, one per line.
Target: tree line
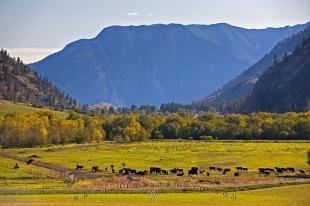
<point x="25" y="130"/>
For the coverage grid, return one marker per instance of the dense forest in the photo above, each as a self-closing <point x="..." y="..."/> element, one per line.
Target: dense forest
<point x="19" y="83"/>
<point x="46" y="128"/>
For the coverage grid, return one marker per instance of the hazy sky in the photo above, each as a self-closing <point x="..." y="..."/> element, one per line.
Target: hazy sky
<point x="33" y="29"/>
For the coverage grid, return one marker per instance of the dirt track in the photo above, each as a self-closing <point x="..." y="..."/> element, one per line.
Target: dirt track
<point x="78" y="173"/>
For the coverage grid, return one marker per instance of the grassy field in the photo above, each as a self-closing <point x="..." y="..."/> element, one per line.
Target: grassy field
<point x="297" y="195"/>
<point x="167" y="155"/>
<point x="7" y="107"/>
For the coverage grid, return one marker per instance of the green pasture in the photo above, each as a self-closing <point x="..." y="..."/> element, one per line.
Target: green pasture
<point x="170" y="154"/>
<point x="297" y="195"/>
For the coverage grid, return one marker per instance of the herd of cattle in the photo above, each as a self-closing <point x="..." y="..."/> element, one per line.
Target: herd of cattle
<point x="196" y="171"/>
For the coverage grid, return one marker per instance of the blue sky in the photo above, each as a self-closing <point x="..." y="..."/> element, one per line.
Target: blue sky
<point x="33" y="29"/>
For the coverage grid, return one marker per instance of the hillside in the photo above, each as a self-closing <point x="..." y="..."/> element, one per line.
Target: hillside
<point x="285" y="86"/>
<point x="241" y="86"/>
<point x="127" y="65"/>
<point x="19" y="83"/>
<point x="7" y="107"/>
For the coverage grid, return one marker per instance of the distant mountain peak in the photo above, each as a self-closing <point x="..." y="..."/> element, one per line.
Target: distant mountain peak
<point x="151" y="64"/>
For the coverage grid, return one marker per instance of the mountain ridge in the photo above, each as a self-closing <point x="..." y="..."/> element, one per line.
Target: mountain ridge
<point x="242" y="85"/>
<point x="126" y="65"/>
<point x="284" y="86"/>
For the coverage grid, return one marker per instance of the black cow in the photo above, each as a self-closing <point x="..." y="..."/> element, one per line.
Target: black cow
<point x="95" y="168"/>
<point x="155" y="170"/>
<point x="302" y="172"/>
<point x="266" y="173"/>
<point x="212" y="168"/>
<point x="141" y="172"/>
<point x="193" y="171"/>
<point x="165" y="172"/>
<point x="174" y="170"/>
<point x="280" y="170"/>
<point x="127" y="171"/>
<point x="219" y="169"/>
<point x="180" y="174"/>
<point x="226" y="170"/>
<point x="16" y="166"/>
<point x="239" y="168"/>
<point x="244" y="169"/>
<point x="180" y="170"/>
<point x="208" y="174"/>
<point x="236" y="174"/>
<point x="29" y="161"/>
<point x="79" y="167"/>
<point x="261" y="170"/>
<point x="290" y="169"/>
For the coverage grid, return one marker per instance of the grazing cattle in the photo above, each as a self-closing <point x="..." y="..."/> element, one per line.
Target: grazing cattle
<point x="16" y="166"/>
<point x="266" y="173"/>
<point x="141" y="172"/>
<point x="180" y="174"/>
<point x="244" y="169"/>
<point x="155" y="170"/>
<point x="219" y="169"/>
<point x="226" y="170"/>
<point x="95" y="168"/>
<point x="165" y="172"/>
<point x="290" y="169"/>
<point x="193" y="171"/>
<point x="212" y="168"/>
<point x="79" y="167"/>
<point x="29" y="161"/>
<point x="106" y="169"/>
<point x="261" y="170"/>
<point x="236" y="174"/>
<point x="280" y="170"/>
<point x="174" y="170"/>
<point x="133" y="171"/>
<point x="208" y="174"/>
<point x="302" y="172"/>
<point x="127" y="171"/>
<point x="201" y="171"/>
<point x="240" y="169"/>
<point x="113" y="171"/>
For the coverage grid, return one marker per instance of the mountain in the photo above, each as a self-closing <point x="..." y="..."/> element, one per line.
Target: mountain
<point x="126" y="65"/>
<point x="242" y="86"/>
<point x="285" y="86"/>
<point x="19" y="83"/>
